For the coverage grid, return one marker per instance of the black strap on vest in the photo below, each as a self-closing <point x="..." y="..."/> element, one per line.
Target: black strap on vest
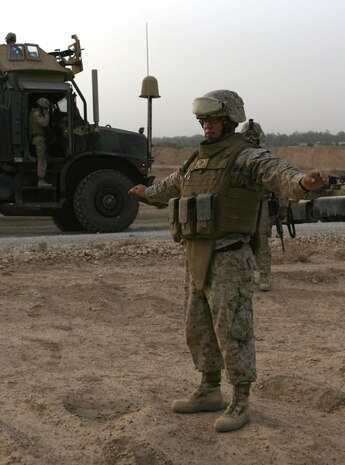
<point x="183" y="169"/>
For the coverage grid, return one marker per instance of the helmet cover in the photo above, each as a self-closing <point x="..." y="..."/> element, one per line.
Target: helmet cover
<point x="220" y="103"/>
<point x="11" y="36"/>
<point x="253" y="133"/>
<point x="43" y="102"/>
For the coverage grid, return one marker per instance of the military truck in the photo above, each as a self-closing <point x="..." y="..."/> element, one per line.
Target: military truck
<point x="90" y="168"/>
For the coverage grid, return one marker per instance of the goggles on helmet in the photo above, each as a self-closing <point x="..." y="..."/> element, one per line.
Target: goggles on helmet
<point x="203" y="106"/>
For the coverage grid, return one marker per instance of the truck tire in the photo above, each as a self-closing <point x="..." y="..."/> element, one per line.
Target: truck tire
<point x="66" y="221"/>
<point x="102" y="203"/>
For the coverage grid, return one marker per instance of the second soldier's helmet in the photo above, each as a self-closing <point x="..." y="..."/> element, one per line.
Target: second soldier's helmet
<point x="253" y="133"/>
<point x="43" y="102"/>
<point x="220" y="103"/>
<point x="11" y="37"/>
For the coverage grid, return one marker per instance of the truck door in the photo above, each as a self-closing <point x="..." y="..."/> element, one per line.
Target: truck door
<point x="5" y="134"/>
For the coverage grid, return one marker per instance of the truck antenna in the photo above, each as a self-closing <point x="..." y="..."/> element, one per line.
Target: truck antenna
<point x="147" y="49"/>
<point x="149" y="90"/>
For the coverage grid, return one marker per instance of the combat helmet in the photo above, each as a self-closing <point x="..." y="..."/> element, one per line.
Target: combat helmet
<point x="253" y="133"/>
<point x="11" y="37"/>
<point x="43" y="102"/>
<point x="220" y="103"/>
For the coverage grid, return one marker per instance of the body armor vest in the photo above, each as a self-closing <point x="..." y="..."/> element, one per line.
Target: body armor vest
<point x="210" y="207"/>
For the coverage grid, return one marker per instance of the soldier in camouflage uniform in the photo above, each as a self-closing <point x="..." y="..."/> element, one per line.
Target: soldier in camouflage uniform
<point x="254" y="134"/>
<point x="214" y="202"/>
<point x="39" y="122"/>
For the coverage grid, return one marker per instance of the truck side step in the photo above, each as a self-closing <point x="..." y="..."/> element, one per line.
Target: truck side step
<point x="36" y="194"/>
<point x="29" y="209"/>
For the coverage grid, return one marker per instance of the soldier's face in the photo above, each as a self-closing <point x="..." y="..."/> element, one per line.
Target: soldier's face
<point x="213" y="128"/>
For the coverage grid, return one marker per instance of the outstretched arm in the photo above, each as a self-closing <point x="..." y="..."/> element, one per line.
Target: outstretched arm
<point x="160" y="192"/>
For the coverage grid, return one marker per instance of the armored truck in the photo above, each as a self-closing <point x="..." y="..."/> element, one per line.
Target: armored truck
<point x="90" y="167"/>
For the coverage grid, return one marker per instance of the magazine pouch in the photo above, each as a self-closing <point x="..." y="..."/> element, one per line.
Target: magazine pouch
<point x="187" y="216"/>
<point x="205" y="214"/>
<point x="175" y="227"/>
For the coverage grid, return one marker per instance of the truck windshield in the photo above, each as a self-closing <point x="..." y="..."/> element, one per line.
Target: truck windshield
<point x="23" y="51"/>
<point x="32" y="52"/>
<point x="16" y="52"/>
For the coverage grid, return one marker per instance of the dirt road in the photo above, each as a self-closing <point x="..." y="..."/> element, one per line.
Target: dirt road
<point x="93" y="353"/>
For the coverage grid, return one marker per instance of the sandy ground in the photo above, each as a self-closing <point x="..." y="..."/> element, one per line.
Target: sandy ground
<point x="93" y="353"/>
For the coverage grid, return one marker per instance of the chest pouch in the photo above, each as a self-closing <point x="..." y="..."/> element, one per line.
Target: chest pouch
<point x="175" y="226"/>
<point x="205" y="214"/>
<point x="187" y="216"/>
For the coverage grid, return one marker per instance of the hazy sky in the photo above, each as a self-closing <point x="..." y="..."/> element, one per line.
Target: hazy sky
<point x="285" y="58"/>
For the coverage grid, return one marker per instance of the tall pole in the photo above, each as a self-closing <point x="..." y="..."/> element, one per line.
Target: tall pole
<point x="149" y="90"/>
<point x="149" y="123"/>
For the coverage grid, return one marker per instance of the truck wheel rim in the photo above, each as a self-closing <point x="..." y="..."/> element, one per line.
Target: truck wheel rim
<point x="109" y="202"/>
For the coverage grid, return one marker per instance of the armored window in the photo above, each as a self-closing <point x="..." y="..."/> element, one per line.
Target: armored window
<point x="32" y="52"/>
<point x="62" y="105"/>
<point x="15" y="52"/>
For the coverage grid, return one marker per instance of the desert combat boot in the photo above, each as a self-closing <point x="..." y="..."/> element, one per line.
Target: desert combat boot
<point x="43" y="183"/>
<point x="207" y="398"/>
<point x="237" y="414"/>
<point x="264" y="282"/>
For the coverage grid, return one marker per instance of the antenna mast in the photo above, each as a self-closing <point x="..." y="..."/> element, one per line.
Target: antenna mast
<point x="147" y="50"/>
<point x="149" y="90"/>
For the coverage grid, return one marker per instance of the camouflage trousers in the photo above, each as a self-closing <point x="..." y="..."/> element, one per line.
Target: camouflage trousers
<point x="41" y="152"/>
<point x="219" y="318"/>
<point x="263" y="256"/>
